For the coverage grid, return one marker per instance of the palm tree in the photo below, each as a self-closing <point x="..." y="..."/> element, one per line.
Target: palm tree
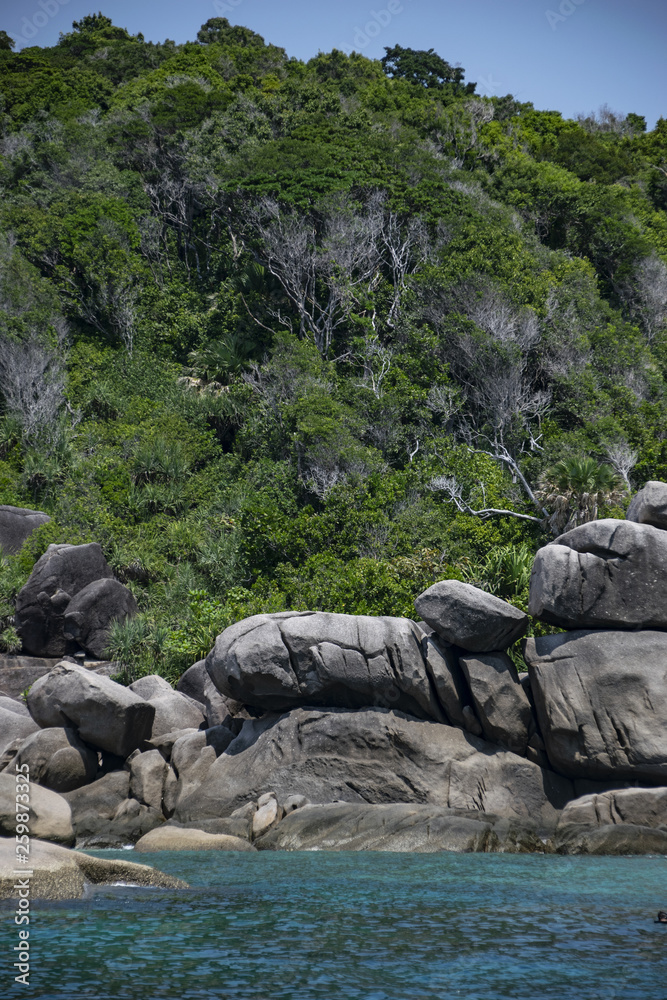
<point x="575" y="488"/>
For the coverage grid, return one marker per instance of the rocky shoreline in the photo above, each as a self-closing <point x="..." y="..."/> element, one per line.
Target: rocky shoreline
<point x="318" y="731"/>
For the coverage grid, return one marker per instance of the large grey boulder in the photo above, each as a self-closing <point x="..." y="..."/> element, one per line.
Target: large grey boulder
<point x="89" y="614"/>
<point x="409" y="828"/>
<point x="59" y="873"/>
<point x="57" y="759"/>
<point x="469" y="617"/>
<point x="105" y="714"/>
<point x="373" y="756"/>
<point x="501" y="703"/>
<point x="49" y="814"/>
<point x="604" y="574"/>
<point x="645" y="807"/>
<point x="601" y="702"/>
<point x="196" y="684"/>
<point x="14" y="726"/>
<point x="649" y="506"/>
<point x="57" y="577"/>
<point x="173" y="710"/>
<point x="17" y="673"/>
<point x="276" y="662"/>
<point x="16" y="525"/>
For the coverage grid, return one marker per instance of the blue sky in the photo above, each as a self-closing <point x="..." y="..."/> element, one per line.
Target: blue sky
<point x="569" y="55"/>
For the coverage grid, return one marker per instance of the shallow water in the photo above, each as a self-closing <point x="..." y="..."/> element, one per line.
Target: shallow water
<point x="357" y="926"/>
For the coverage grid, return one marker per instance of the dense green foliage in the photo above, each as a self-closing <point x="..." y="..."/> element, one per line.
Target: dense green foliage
<point x="313" y="335"/>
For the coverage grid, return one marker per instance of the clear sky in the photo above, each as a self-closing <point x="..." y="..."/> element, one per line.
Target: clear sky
<point x="568" y="55"/>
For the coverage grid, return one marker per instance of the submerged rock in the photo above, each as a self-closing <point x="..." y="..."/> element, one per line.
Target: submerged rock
<point x="59" y="873"/>
<point x="173" y="838"/>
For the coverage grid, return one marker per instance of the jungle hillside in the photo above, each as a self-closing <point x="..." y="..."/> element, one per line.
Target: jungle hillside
<point x="312" y="335"/>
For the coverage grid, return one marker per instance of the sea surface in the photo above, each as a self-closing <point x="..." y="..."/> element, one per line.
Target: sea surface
<point x="356" y="926"/>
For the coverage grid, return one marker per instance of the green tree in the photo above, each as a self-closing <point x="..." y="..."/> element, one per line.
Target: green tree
<point x="425" y="68"/>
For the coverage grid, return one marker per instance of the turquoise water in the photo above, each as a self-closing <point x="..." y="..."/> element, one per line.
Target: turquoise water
<point x="350" y="926"/>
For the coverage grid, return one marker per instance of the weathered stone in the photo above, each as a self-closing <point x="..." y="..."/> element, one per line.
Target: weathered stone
<point x="356" y="826"/>
<point x="601" y="702"/>
<point x="173" y="710"/>
<point x="59" y="873"/>
<point x="604" y="574"/>
<point x="108" y="716"/>
<point x="94" y="806"/>
<point x="623" y="838"/>
<point x="57" y="577"/>
<point x="148" y="772"/>
<point x="500" y="702"/>
<point x="276" y="662"/>
<point x="173" y="838"/>
<point x="50" y="817"/>
<point x="130" y="822"/>
<point x="14" y="726"/>
<point x="165" y="743"/>
<point x="469" y="617"/>
<point x="649" y="506"/>
<point x="373" y="756"/>
<point x="442" y="665"/>
<point x="191" y="758"/>
<point x="57" y="759"/>
<point x="89" y="614"/>
<point x="268" y="813"/>
<point x="232" y="826"/>
<point x="196" y="684"/>
<point x="18" y="673"/>
<point x="13" y="705"/>
<point x="293" y="802"/>
<point x="645" y="807"/>
<point x="16" y="526"/>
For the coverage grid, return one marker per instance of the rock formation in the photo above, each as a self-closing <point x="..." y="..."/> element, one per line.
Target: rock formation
<point x="310" y="730"/>
<point x="69" y="601"/>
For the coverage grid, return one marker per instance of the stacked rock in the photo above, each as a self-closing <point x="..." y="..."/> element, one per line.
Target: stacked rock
<point x="69" y="602"/>
<point x="311" y="729"/>
<point x="600" y="688"/>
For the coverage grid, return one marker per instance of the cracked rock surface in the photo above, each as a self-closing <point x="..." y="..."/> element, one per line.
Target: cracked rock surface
<point x="601" y="701"/>
<point x="373" y="756"/>
<point x="604" y="574"/>
<point x="277" y="662"/>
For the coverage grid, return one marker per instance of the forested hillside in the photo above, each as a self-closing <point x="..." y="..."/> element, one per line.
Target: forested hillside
<point x="312" y="335"/>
